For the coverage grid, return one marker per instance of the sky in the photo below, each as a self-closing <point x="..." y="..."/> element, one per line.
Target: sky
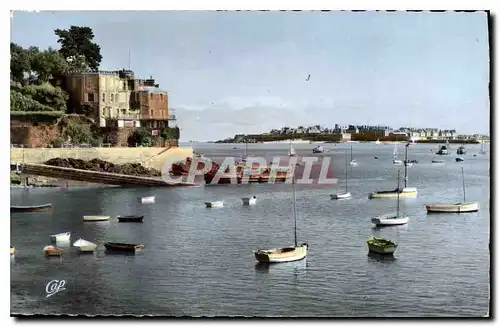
<point x="247" y="72"/>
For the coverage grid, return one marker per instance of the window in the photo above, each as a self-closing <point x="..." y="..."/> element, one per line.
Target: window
<point x="112" y="99"/>
<point x="124" y="111"/>
<point x="90" y="97"/>
<point x="104" y="97"/>
<point x="161" y="97"/>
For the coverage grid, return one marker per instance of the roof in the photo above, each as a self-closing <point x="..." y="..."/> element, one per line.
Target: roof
<point x="151" y="89"/>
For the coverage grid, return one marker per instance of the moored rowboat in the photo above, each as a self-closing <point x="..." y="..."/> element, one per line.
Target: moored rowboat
<point x="38" y="208"/>
<point x="130" y="219"/>
<point x="85" y="246"/>
<point x="96" y="218"/>
<point x="453" y="208"/>
<point x="123" y="247"/>
<point x="52" y="251"/>
<point x="381" y="246"/>
<point x="293" y="253"/>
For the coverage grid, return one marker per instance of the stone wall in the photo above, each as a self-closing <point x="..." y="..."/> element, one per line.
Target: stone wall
<point x="34" y="136"/>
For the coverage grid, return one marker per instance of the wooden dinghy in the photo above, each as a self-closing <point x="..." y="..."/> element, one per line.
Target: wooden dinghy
<point x="38" y="208"/>
<point x="453" y="208"/>
<point x="96" y="218"/>
<point x="130" y="219"/>
<point x="12" y="250"/>
<point x="381" y="246"/>
<point x="288" y="254"/>
<point x="123" y="247"/>
<point x="52" y="251"/>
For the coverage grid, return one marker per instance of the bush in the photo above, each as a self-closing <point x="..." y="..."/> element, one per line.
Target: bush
<point x="20" y="102"/>
<point x="79" y="132"/>
<point x="140" y="137"/>
<point x="171" y="133"/>
<point x="47" y="95"/>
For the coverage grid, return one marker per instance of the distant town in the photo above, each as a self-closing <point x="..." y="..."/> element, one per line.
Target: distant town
<point x="361" y="133"/>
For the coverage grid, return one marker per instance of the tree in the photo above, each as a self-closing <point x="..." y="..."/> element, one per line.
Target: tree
<point x="19" y="63"/>
<point x="48" y="64"/>
<point x="77" y="46"/>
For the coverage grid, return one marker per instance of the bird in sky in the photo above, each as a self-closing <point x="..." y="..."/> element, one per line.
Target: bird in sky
<point x="308" y="78"/>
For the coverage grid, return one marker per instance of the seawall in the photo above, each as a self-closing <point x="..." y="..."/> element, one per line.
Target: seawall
<point x="148" y="157"/>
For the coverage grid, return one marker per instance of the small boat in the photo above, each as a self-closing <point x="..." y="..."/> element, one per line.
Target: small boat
<point x="214" y="204"/>
<point x="397" y="162"/>
<point x="286" y="254"/>
<point x="38" y="208"/>
<point x="443" y="150"/>
<point x="391" y="218"/>
<point x="85" y="246"/>
<point x="95" y="218"/>
<point x="437" y="161"/>
<point x="461" y="207"/>
<point x="123" y="247"/>
<point x="147" y="199"/>
<point x="292" y="152"/>
<point x="346" y="194"/>
<point x="12" y="250"/>
<point x="381" y="246"/>
<point x="406" y="192"/>
<point x="377" y="141"/>
<point x="130" y="219"/>
<point x="52" y="251"/>
<point x="459" y="159"/>
<point x="461" y="150"/>
<point x="353" y="162"/>
<point x="249" y="201"/>
<point x="318" y="149"/>
<point x="61" y="237"/>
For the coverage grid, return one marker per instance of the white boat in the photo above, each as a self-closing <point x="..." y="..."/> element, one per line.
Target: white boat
<point x="249" y="201"/>
<point x="147" y="199"/>
<point x="286" y="254"/>
<point x="61" y="237"/>
<point x="96" y="218"/>
<point x="461" y="207"/>
<point x="406" y="192"/>
<point x="392" y="218"/>
<point x="377" y="141"/>
<point x="346" y="194"/>
<point x="395" y="160"/>
<point x="318" y="149"/>
<point x="214" y="204"/>
<point x="482" y="151"/>
<point x="85" y="246"/>
<point x="292" y="152"/>
<point x="352" y="162"/>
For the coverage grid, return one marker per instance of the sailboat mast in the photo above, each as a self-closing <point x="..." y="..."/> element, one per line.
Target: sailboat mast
<point x="294" y="210"/>
<point x="406" y="162"/>
<point x="398" y="195"/>
<point x="346" y="169"/>
<point x="463" y="183"/>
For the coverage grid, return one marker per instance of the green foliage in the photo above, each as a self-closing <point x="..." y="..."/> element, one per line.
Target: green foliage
<point x="47" y="95"/>
<point x="21" y="102"/>
<point x="78" y="49"/>
<point x="171" y="133"/>
<point x="36" y="117"/>
<point x="140" y="137"/>
<point x="79" y="132"/>
<point x="48" y="64"/>
<point x="19" y="63"/>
